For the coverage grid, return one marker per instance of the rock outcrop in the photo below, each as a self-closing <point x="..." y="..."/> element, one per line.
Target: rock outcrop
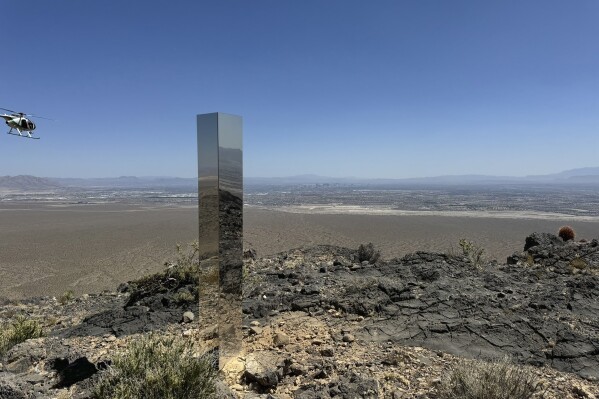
<point x="320" y="324"/>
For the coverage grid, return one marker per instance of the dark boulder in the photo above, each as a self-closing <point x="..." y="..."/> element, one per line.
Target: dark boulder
<point x="542" y="239"/>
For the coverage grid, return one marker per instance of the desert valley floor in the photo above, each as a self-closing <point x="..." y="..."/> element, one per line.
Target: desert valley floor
<point x="47" y="249"/>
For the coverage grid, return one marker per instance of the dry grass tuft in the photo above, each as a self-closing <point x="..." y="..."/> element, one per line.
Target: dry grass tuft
<point x="20" y="330"/>
<point x="474" y="379"/>
<point x="473" y="252"/>
<point x="156" y="367"/>
<point x="368" y="253"/>
<point x="66" y="297"/>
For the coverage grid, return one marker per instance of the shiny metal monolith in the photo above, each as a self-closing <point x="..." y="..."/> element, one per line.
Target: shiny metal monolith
<point x="220" y="201"/>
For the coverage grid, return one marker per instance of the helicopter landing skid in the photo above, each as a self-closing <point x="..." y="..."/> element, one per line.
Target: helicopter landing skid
<point x="25" y="137"/>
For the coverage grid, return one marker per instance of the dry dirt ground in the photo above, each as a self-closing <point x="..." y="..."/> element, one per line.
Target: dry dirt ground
<point x="270" y="232"/>
<point x="47" y="249"/>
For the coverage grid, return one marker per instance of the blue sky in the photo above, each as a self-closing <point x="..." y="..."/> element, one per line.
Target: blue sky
<point x="338" y="87"/>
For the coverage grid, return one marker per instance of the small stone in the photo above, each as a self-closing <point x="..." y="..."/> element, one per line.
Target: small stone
<point x="297" y="369"/>
<point x="348" y="338"/>
<point x="582" y="392"/>
<point x="255" y="323"/>
<point x="110" y="338"/>
<point x="18" y="366"/>
<point x="34" y="378"/>
<point x="261" y="368"/>
<point x="209" y="333"/>
<point x="237" y="387"/>
<point x="327" y="352"/>
<point x="320" y="374"/>
<point x="281" y="339"/>
<point x="256" y="330"/>
<point x="317" y="342"/>
<point x="188" y="317"/>
<point x="423" y="360"/>
<point x="397" y="394"/>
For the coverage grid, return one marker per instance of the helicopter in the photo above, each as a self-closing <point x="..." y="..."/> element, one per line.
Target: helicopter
<point x="19" y="122"/>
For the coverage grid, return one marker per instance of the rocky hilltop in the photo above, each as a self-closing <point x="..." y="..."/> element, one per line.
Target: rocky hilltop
<point x="318" y="323"/>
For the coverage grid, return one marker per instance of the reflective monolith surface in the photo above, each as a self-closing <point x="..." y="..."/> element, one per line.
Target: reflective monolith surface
<point x="220" y="201"/>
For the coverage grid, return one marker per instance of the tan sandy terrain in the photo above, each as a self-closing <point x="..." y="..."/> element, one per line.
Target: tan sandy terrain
<point x="396" y="235"/>
<point x="47" y="249"/>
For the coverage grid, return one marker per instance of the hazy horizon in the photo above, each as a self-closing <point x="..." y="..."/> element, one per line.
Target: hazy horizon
<point x="593" y="170"/>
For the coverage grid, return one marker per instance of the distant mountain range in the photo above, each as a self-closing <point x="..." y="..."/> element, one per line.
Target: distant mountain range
<point x="127" y="182"/>
<point x="581" y="175"/>
<point x="27" y="183"/>
<point x="32" y="183"/>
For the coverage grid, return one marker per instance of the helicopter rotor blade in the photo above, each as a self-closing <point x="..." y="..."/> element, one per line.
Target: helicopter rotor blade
<point x="40" y="117"/>
<point x="23" y="114"/>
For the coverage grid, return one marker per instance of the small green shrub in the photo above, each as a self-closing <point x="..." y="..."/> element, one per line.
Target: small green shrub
<point x="473" y="252"/>
<point x="186" y="266"/>
<point x="66" y="297"/>
<point x="473" y="379"/>
<point x="155" y="367"/>
<point x="20" y="330"/>
<point x="368" y="253"/>
<point x="566" y="233"/>
<point x="184" y="297"/>
<point x="184" y="271"/>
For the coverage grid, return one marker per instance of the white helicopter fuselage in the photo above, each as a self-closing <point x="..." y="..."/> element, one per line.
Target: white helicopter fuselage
<point x="18" y="122"/>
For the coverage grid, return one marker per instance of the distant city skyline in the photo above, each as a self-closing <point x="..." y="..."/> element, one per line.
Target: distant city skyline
<point x="398" y="89"/>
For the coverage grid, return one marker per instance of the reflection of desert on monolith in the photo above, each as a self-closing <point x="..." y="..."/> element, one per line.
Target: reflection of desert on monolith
<point x="220" y="186"/>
